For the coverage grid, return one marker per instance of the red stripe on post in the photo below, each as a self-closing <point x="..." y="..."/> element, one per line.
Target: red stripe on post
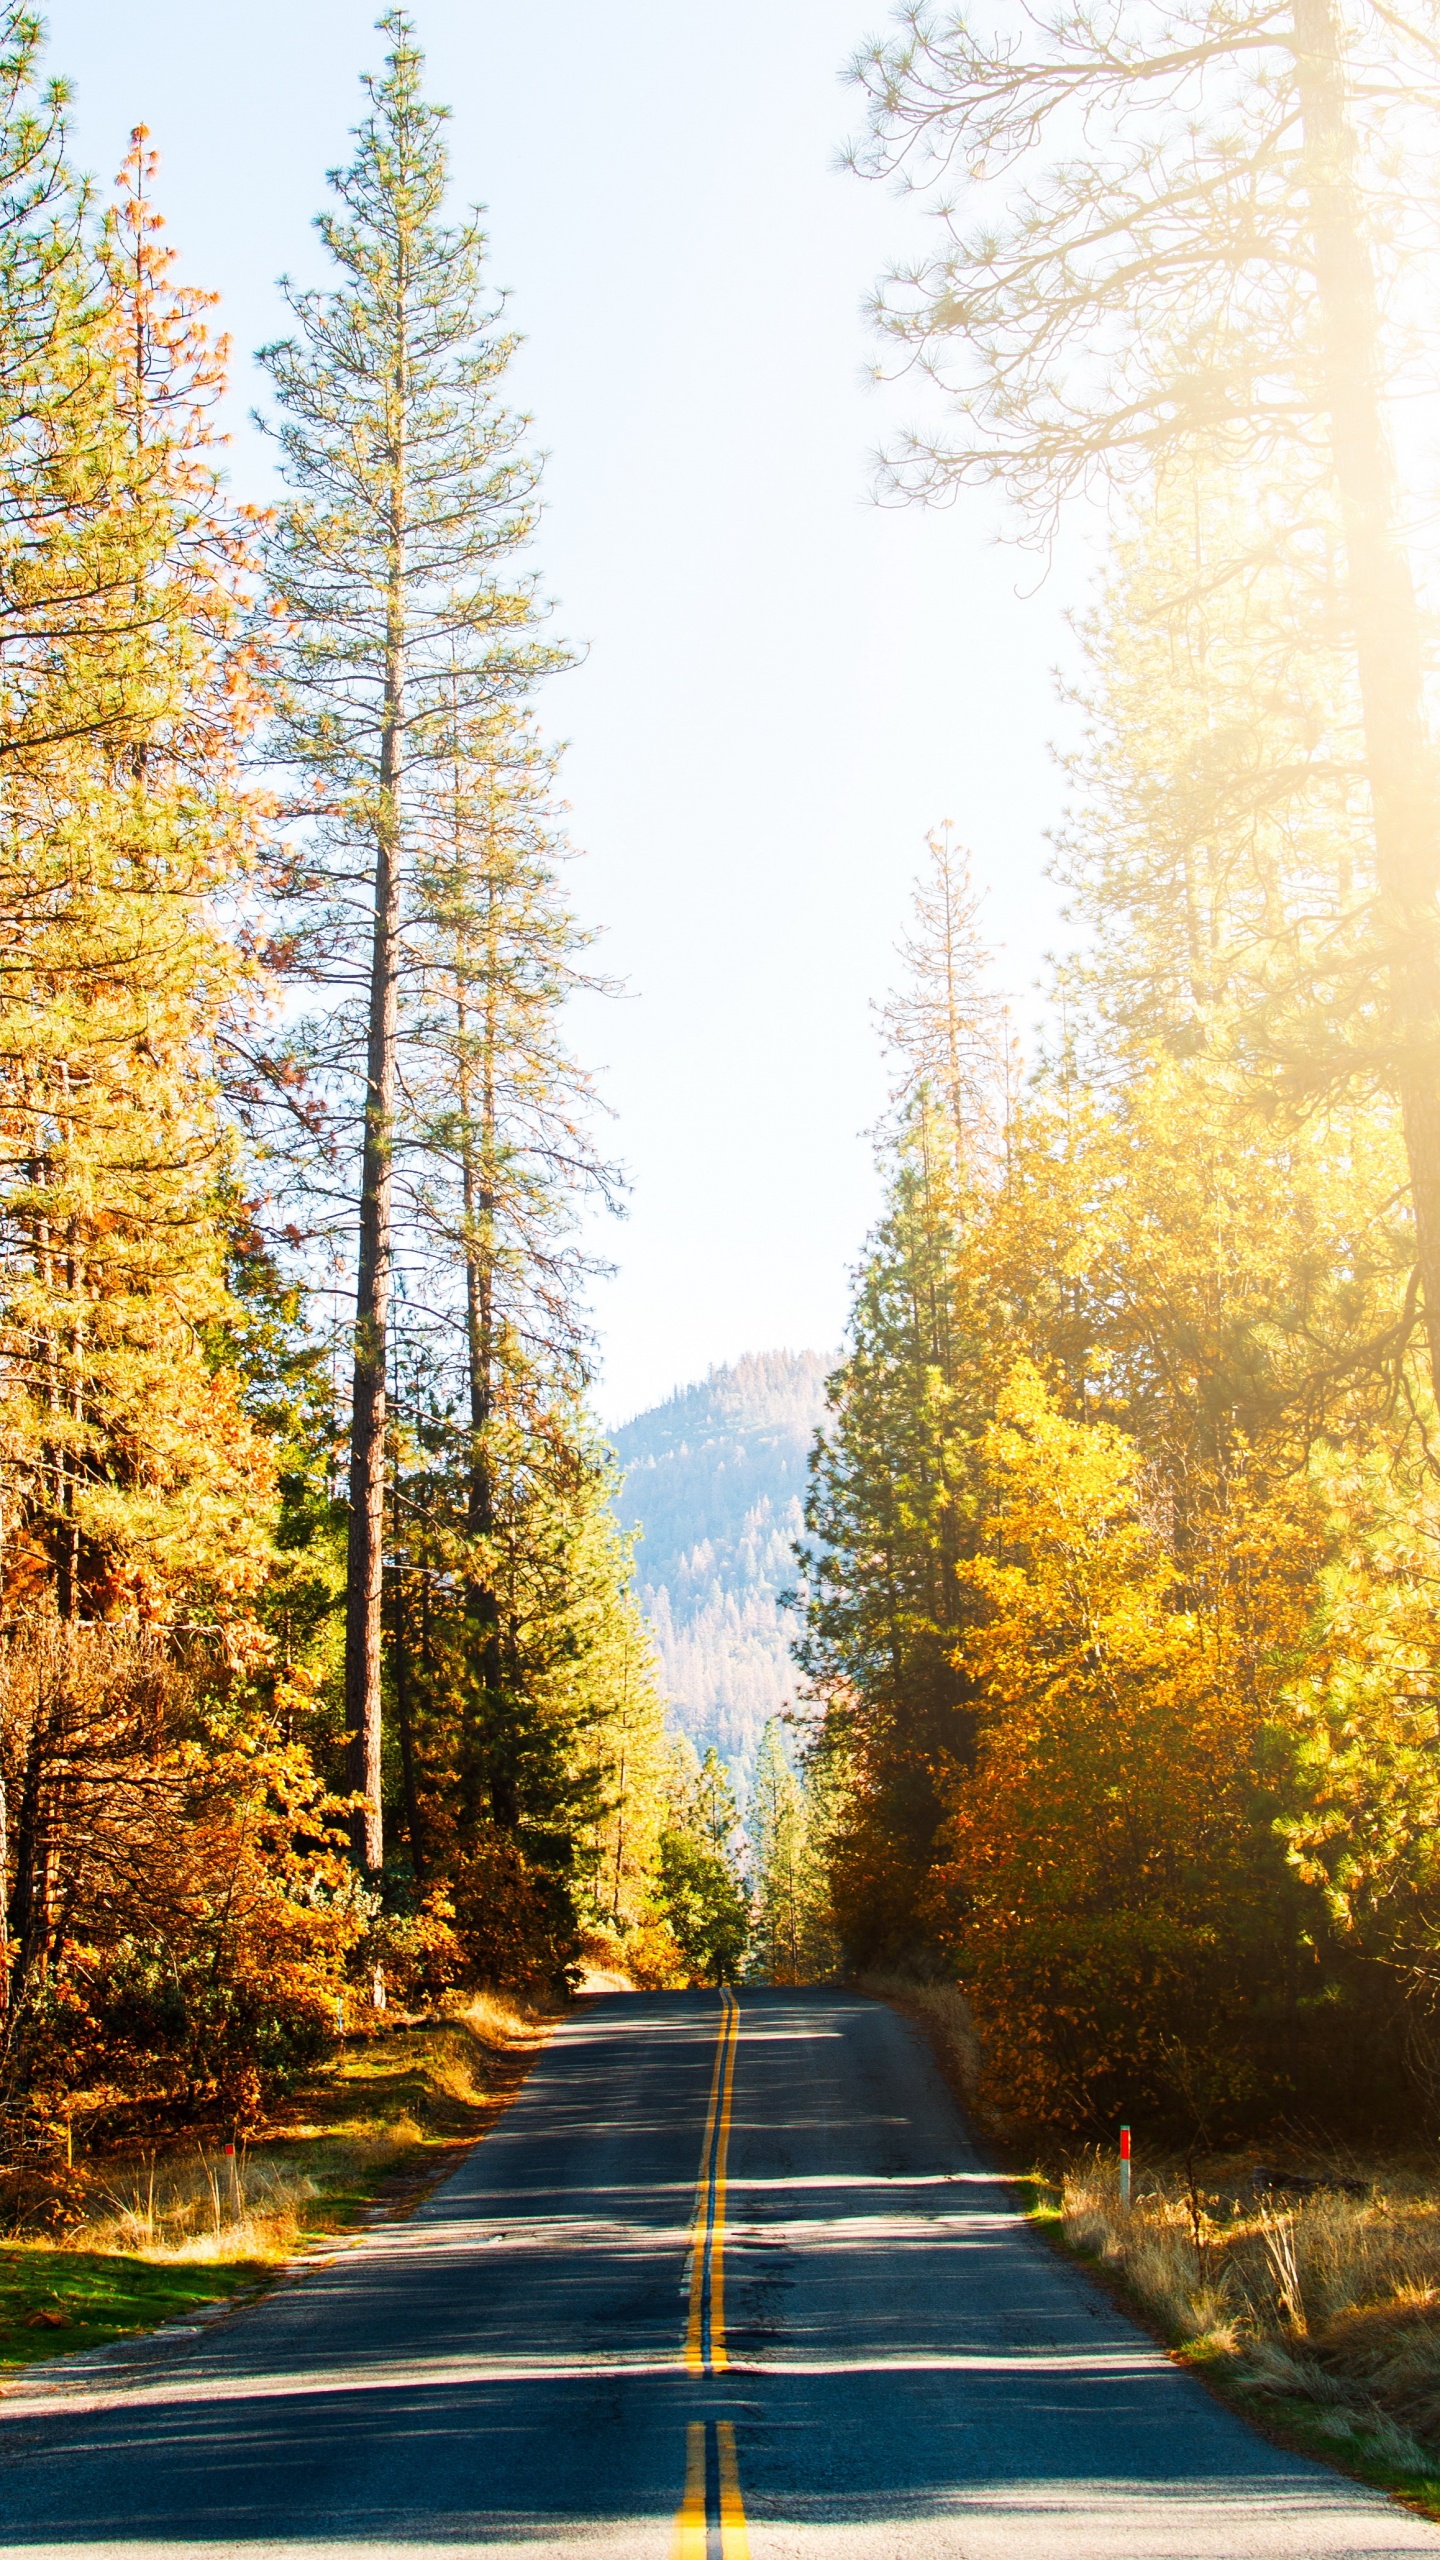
<point x="1124" y="2142"/>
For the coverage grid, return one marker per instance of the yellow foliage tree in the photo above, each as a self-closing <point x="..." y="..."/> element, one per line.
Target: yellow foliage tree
<point x="1104" y="1882"/>
<point x="137" y="1483"/>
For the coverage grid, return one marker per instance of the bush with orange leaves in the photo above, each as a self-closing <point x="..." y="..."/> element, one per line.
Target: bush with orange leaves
<point x="181" y="1914"/>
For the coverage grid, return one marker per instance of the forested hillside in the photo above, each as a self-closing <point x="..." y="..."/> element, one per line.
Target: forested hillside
<point x="715" y="1479"/>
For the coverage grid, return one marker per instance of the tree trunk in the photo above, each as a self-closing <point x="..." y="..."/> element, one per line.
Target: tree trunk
<point x="478" y="1184"/>
<point x="364" y="1570"/>
<point x="32" y="1906"/>
<point x="407" y="1743"/>
<point x="4" y="1904"/>
<point x="365" y="1551"/>
<point x="1386" y="622"/>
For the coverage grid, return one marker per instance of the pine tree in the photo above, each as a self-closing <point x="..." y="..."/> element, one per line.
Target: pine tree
<point x="135" y="1477"/>
<point x="946" y="1024"/>
<point x="1231" y="235"/>
<point x="392" y="563"/>
<point x="531" y="1783"/>
<point x="699" y="1889"/>
<point x="1216" y="1284"/>
<point x="794" y="1938"/>
<point x="164" y="1820"/>
<point x="617" y="1855"/>
<point x="890" y="1508"/>
<point x="492" y="1143"/>
<point x="1217" y="843"/>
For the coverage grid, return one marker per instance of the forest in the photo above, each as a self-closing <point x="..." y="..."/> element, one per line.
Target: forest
<point x="325" y="1686"/>
<point x="1124" y="1527"/>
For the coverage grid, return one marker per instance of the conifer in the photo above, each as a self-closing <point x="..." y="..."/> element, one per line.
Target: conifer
<point x="947" y="1025"/>
<point x="492" y="1146"/>
<point x="135" y="1475"/>
<point x="392" y="561"/>
<point x="1219" y="273"/>
<point x="786" y="1820"/>
<point x="699" y="1888"/>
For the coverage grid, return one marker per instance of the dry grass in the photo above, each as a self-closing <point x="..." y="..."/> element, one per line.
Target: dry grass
<point x="1321" y="2313"/>
<point x="121" y="2243"/>
<point x="213" y="2210"/>
<point x="1327" y="2307"/>
<point x="399" y="2098"/>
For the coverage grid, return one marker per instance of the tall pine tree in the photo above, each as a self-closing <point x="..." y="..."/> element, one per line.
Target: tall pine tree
<point x="394" y="563"/>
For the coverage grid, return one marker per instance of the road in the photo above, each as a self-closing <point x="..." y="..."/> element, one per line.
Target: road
<point x="728" y="2282"/>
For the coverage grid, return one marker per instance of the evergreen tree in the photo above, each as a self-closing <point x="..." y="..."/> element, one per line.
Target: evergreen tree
<point x="698" y="1879"/>
<point x="135" y="1479"/>
<point x="617" y="1855"/>
<point x="946" y="1025"/>
<point x="175" y="1923"/>
<point x="1070" y="1519"/>
<point x="523" y="1692"/>
<point x="1231" y="235"/>
<point x="890" y="1508"/>
<point x="1216" y="841"/>
<point x="531" y="1782"/>
<point x="175" y="1926"/>
<point x="393" y="563"/>
<point x="793" y="1932"/>
<point x="492" y="1149"/>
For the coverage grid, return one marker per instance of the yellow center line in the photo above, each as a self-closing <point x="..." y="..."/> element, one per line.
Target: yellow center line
<point x="711" y="2520"/>
<point x="734" y="2538"/>
<point x="705" y="2323"/>
<point x="712" y="2513"/>
<point x="700" y="2219"/>
<point x="719" y="2360"/>
<point x="691" y="2530"/>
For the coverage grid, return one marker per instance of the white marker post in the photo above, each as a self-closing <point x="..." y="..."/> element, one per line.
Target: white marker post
<point x="1124" y="2168"/>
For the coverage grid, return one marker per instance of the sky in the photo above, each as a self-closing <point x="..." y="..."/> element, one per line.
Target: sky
<point x="784" y="685"/>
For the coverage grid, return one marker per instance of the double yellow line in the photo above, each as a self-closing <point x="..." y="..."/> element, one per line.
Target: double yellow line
<point x="713" y="2514"/>
<point x="705" y="2327"/>
<point x="708" y="2503"/>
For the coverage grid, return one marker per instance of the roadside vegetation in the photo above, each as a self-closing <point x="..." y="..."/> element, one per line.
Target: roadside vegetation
<point x="1319" y="2313"/>
<point x="124" y="2239"/>
<point x="1299" y="2278"/>
<point x="322" y="1678"/>
<point x="1122" y="1589"/>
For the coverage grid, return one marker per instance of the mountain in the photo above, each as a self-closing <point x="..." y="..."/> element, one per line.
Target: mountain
<point x="715" y="1477"/>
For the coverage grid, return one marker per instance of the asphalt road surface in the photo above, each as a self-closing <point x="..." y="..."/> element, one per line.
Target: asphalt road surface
<point x="727" y="2283"/>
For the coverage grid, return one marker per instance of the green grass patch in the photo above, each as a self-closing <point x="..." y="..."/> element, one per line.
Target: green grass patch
<point x="1040" y="2200"/>
<point x="1338" y="2438"/>
<point x="54" y="2301"/>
